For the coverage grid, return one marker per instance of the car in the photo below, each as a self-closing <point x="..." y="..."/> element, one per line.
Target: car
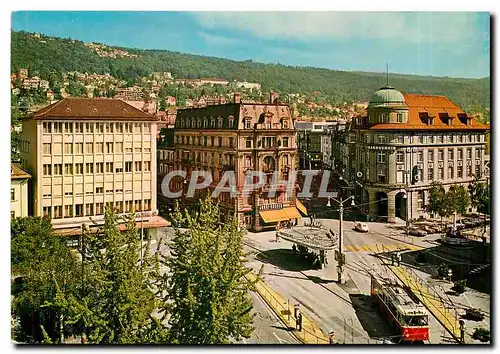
<point x="361" y="227"/>
<point x="416" y="232"/>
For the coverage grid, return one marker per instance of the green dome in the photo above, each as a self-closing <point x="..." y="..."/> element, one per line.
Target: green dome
<point x="387" y="97"/>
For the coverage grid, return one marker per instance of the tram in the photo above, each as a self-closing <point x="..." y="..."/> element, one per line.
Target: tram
<point x="411" y="318"/>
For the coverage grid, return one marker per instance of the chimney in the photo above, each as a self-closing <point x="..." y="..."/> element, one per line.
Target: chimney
<point x="273" y="97"/>
<point x="237" y="98"/>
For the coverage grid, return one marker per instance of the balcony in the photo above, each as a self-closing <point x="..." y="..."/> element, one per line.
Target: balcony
<point x="272" y="206"/>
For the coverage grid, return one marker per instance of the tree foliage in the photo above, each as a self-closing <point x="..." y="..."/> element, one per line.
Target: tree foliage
<point x="209" y="294"/>
<point x="480" y="196"/>
<point x="456" y="200"/>
<point x="436" y="198"/>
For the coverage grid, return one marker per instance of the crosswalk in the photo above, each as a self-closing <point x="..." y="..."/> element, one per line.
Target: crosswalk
<point x="380" y="248"/>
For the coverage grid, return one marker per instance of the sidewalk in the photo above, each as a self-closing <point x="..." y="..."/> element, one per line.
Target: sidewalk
<point x="447" y="317"/>
<point x="310" y="333"/>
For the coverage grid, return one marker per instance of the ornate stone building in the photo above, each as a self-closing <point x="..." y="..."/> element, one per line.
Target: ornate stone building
<point x="238" y="137"/>
<point x="407" y="141"/>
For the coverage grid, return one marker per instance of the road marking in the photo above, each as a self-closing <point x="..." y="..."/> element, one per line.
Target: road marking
<point x="280" y="340"/>
<point x="366" y="248"/>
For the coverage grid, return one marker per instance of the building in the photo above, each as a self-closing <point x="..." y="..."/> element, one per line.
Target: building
<point x="407" y="141"/>
<point x="85" y="154"/>
<point x="248" y="85"/>
<point x="314" y="141"/>
<point x="170" y="101"/>
<point x="18" y="191"/>
<point x="236" y="137"/>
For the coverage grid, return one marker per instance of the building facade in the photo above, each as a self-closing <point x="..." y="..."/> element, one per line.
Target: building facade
<point x="314" y="141"/>
<point x="18" y="191"/>
<point x="237" y="137"/>
<point x="408" y="141"/>
<point x="87" y="154"/>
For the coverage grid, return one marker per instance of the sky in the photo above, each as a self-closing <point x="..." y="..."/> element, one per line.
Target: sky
<point x="455" y="44"/>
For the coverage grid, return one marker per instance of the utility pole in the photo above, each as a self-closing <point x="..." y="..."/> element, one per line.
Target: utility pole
<point x="341" y="242"/>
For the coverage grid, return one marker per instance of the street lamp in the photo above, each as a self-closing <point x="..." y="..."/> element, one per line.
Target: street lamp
<point x="340" y="255"/>
<point x="405" y="197"/>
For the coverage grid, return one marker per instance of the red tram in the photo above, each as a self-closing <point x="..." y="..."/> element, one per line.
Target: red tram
<point x="408" y="316"/>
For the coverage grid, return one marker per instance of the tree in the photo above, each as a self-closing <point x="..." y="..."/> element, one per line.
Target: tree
<point x="457" y="200"/>
<point x="437" y="196"/>
<point x="480" y="196"/>
<point x="209" y="294"/>
<point x="43" y="267"/>
<point x="117" y="298"/>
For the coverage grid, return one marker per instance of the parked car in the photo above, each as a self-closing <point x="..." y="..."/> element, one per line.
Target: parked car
<point x="361" y="227"/>
<point x="416" y="232"/>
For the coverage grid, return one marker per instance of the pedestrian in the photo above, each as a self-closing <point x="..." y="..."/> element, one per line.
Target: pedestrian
<point x="398" y="256"/>
<point x="392" y="258"/>
<point x="462" y="331"/>
<point x="299" y="322"/>
<point x="294" y="248"/>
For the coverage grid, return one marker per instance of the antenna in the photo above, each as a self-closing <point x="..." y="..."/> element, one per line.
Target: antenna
<point x="387" y="73"/>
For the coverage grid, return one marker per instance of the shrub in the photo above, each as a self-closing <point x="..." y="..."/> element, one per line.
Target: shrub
<point x="442" y="270"/>
<point x="459" y="286"/>
<point x="474" y="314"/>
<point x="482" y="334"/>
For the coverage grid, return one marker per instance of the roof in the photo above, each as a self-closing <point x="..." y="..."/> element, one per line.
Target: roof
<point x="433" y="106"/>
<point x="91" y="108"/>
<point x="387" y="97"/>
<point x="16" y="172"/>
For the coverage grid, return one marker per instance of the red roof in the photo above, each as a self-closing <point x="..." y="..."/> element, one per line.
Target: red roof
<point x="432" y="106"/>
<point x="92" y="108"/>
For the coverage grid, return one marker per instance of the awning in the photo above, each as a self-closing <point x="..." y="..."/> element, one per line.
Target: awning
<point x="291" y="213"/>
<point x="301" y="207"/>
<point x="284" y="214"/>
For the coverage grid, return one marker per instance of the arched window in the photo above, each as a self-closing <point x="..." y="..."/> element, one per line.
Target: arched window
<point x="269" y="164"/>
<point x="220" y="122"/>
<point x="231" y="121"/>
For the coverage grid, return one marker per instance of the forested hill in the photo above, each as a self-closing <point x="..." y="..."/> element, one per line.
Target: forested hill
<point x="43" y="55"/>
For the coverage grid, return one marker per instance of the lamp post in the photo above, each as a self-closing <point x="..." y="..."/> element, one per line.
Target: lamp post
<point x="340" y="255"/>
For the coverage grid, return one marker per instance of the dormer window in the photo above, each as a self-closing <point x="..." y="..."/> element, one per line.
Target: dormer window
<point x="465" y="119"/>
<point x="248" y="123"/>
<point x="220" y="122"/>
<point x="426" y="118"/>
<point x="399" y="117"/>
<point x="231" y="121"/>
<point x="383" y="118"/>
<point x="446" y="118"/>
<point x="285" y="123"/>
<point x="212" y="123"/>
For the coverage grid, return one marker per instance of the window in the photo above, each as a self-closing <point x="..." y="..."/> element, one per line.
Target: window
<point x="78" y="209"/>
<point x="420" y="156"/>
<point x="421" y="139"/>
<point x="99" y="190"/>
<point x="119" y="170"/>
<point x="108" y="127"/>
<point x="469" y="171"/>
<point x="460" y="138"/>
<point x="47" y="128"/>
<point x="478" y="154"/>
<point x="109" y="148"/>
<point x="78" y="127"/>
<point x="58" y="129"/>
<point x="381" y="176"/>
<point x="441" y="173"/>
<point x="47" y="170"/>
<point x="99" y="167"/>
<point x="89" y="168"/>
<point x="231" y="142"/>
<point x="57" y="211"/>
<point x="47" y="211"/>
<point x="401" y="139"/>
<point x="128" y="127"/>
<point x="400" y="157"/>
<point x="440" y="155"/>
<point x="147" y="166"/>
<point x="450" y="172"/>
<point x="99" y="127"/>
<point x="212" y="141"/>
<point x="470" y="138"/>
<point x="460" y="154"/>
<point x="248" y="143"/>
<point x="138" y="205"/>
<point x="68" y="169"/>
<point x="430" y="156"/>
<point x="109" y="167"/>
<point x="58" y="169"/>
<point x="89" y="148"/>
<point x="128" y="166"/>
<point x="440" y="139"/>
<point x="128" y="206"/>
<point x="399" y="117"/>
<point x="79" y="168"/>
<point x="450" y="154"/>
<point x="285" y="142"/>
<point x="128" y="149"/>
<point x="89" y="128"/>
<point x="205" y="140"/>
<point x="78" y="148"/>
<point x="119" y="127"/>
<point x="460" y="172"/>
<point x="469" y="153"/>
<point x="478" y="171"/>
<point x="381" y="157"/>
<point x="68" y="148"/>
<point x="248" y="123"/>
<point x="99" y="148"/>
<point x="68" y="127"/>
<point x="119" y="147"/>
<point x="382" y="139"/>
<point x="68" y="211"/>
<point x="89" y="209"/>
<point x="12" y="194"/>
<point x="138" y="166"/>
<point x="138" y="127"/>
<point x="147" y="129"/>
<point x="430" y="174"/>
<point x="99" y="208"/>
<point x="220" y="122"/>
<point x="231" y="121"/>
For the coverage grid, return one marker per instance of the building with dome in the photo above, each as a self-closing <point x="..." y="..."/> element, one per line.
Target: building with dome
<point x="407" y="141"/>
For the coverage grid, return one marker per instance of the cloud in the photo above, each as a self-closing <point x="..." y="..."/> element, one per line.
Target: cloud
<point x="413" y="27"/>
<point x="211" y="39"/>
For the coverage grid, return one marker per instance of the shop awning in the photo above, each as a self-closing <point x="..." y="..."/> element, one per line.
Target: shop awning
<point x="291" y="213"/>
<point x="301" y="207"/>
<point x="284" y="214"/>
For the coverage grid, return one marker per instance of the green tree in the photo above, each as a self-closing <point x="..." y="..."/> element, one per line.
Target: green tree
<point x="43" y="267"/>
<point x="480" y="196"/>
<point x="437" y="196"/>
<point x="117" y="299"/>
<point x="457" y="200"/>
<point x="209" y="294"/>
